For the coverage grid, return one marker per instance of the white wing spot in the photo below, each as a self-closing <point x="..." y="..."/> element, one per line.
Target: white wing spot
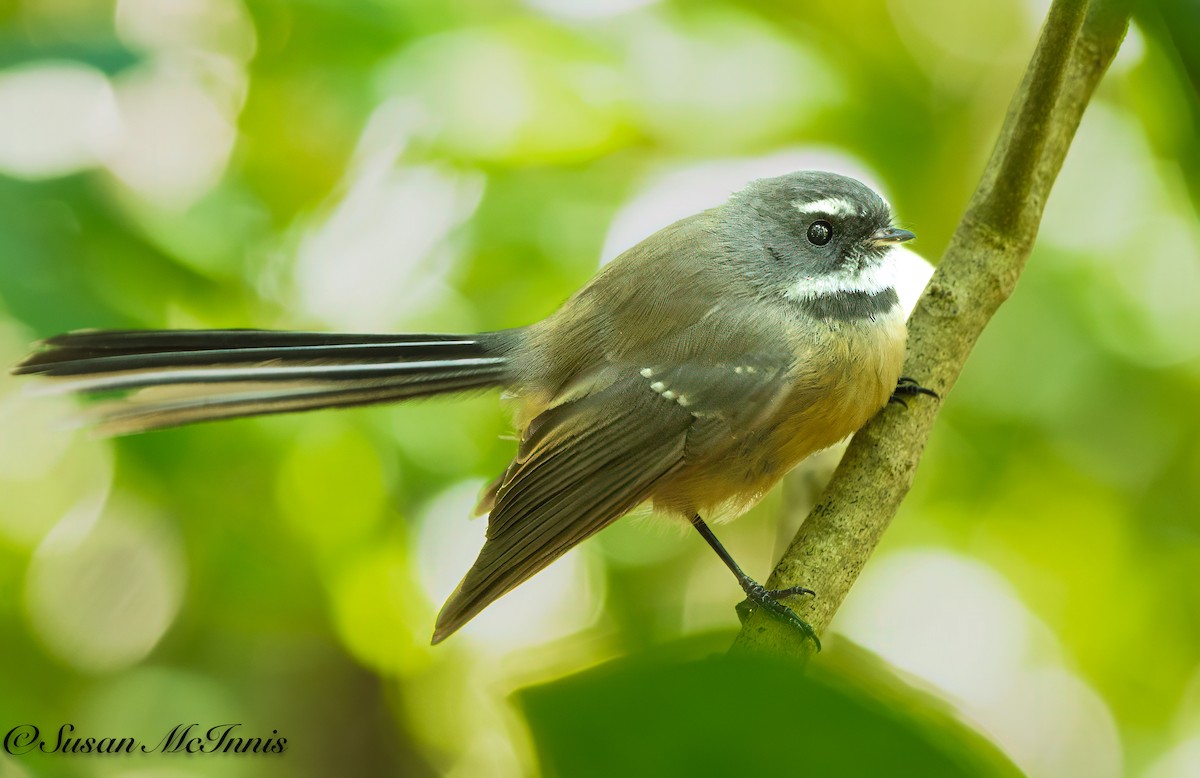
<point x="669" y="395"/>
<point x="658" y="386"/>
<point x="647" y="372"/>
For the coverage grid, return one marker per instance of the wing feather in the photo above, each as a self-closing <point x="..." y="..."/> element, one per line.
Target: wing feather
<point x="588" y="468"/>
<point x="587" y="461"/>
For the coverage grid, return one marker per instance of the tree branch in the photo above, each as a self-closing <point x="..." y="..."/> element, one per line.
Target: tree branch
<point x="976" y="275"/>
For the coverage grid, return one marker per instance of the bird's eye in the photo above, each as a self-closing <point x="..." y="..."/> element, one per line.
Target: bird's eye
<point x="820" y="233"/>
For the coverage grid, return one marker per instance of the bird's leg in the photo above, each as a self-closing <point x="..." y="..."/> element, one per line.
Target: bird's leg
<point x="756" y="594"/>
<point x="908" y="387"/>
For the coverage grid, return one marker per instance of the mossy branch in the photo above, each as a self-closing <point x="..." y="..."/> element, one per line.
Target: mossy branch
<point x="977" y="273"/>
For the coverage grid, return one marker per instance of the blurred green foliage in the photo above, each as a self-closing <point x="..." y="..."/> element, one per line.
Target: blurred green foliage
<point x="455" y="166"/>
<point x="743" y="715"/>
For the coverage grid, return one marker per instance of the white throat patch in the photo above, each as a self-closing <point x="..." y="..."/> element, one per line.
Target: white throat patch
<point x="829" y="206"/>
<point x="872" y="279"/>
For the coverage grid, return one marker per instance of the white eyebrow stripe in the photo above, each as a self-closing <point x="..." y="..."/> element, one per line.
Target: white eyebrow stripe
<point x="829" y="206"/>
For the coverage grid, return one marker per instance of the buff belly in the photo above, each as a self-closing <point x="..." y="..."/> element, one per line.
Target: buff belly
<point x="729" y="478"/>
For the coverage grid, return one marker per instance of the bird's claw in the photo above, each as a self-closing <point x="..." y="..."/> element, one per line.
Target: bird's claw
<point x="758" y="596"/>
<point x="908" y="387"/>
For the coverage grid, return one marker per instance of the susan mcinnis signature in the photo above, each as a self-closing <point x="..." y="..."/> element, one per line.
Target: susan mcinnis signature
<point x="181" y="739"/>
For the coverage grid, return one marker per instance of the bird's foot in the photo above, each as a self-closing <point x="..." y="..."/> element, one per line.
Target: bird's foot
<point x="908" y="387"/>
<point x="758" y="596"/>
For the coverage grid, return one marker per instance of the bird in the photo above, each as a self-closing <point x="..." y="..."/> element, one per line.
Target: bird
<point x="691" y="373"/>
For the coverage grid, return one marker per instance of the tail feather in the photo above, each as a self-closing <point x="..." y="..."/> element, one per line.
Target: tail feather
<point x="139" y="415"/>
<point x="89" y="351"/>
<point x="280" y="372"/>
<point x="181" y="377"/>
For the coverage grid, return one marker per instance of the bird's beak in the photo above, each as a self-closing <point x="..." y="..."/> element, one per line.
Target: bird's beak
<point x="889" y="235"/>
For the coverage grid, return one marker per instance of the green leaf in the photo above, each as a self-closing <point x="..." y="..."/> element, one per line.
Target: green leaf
<point x="746" y="715"/>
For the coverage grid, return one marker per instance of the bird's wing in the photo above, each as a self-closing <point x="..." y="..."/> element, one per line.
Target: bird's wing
<point x="582" y="465"/>
<point x="739" y="392"/>
<point x="588" y="460"/>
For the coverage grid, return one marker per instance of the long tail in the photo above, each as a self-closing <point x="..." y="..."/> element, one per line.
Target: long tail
<point x="175" y="377"/>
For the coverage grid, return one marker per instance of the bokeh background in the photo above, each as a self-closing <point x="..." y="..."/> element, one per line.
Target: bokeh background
<point x="455" y="166"/>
